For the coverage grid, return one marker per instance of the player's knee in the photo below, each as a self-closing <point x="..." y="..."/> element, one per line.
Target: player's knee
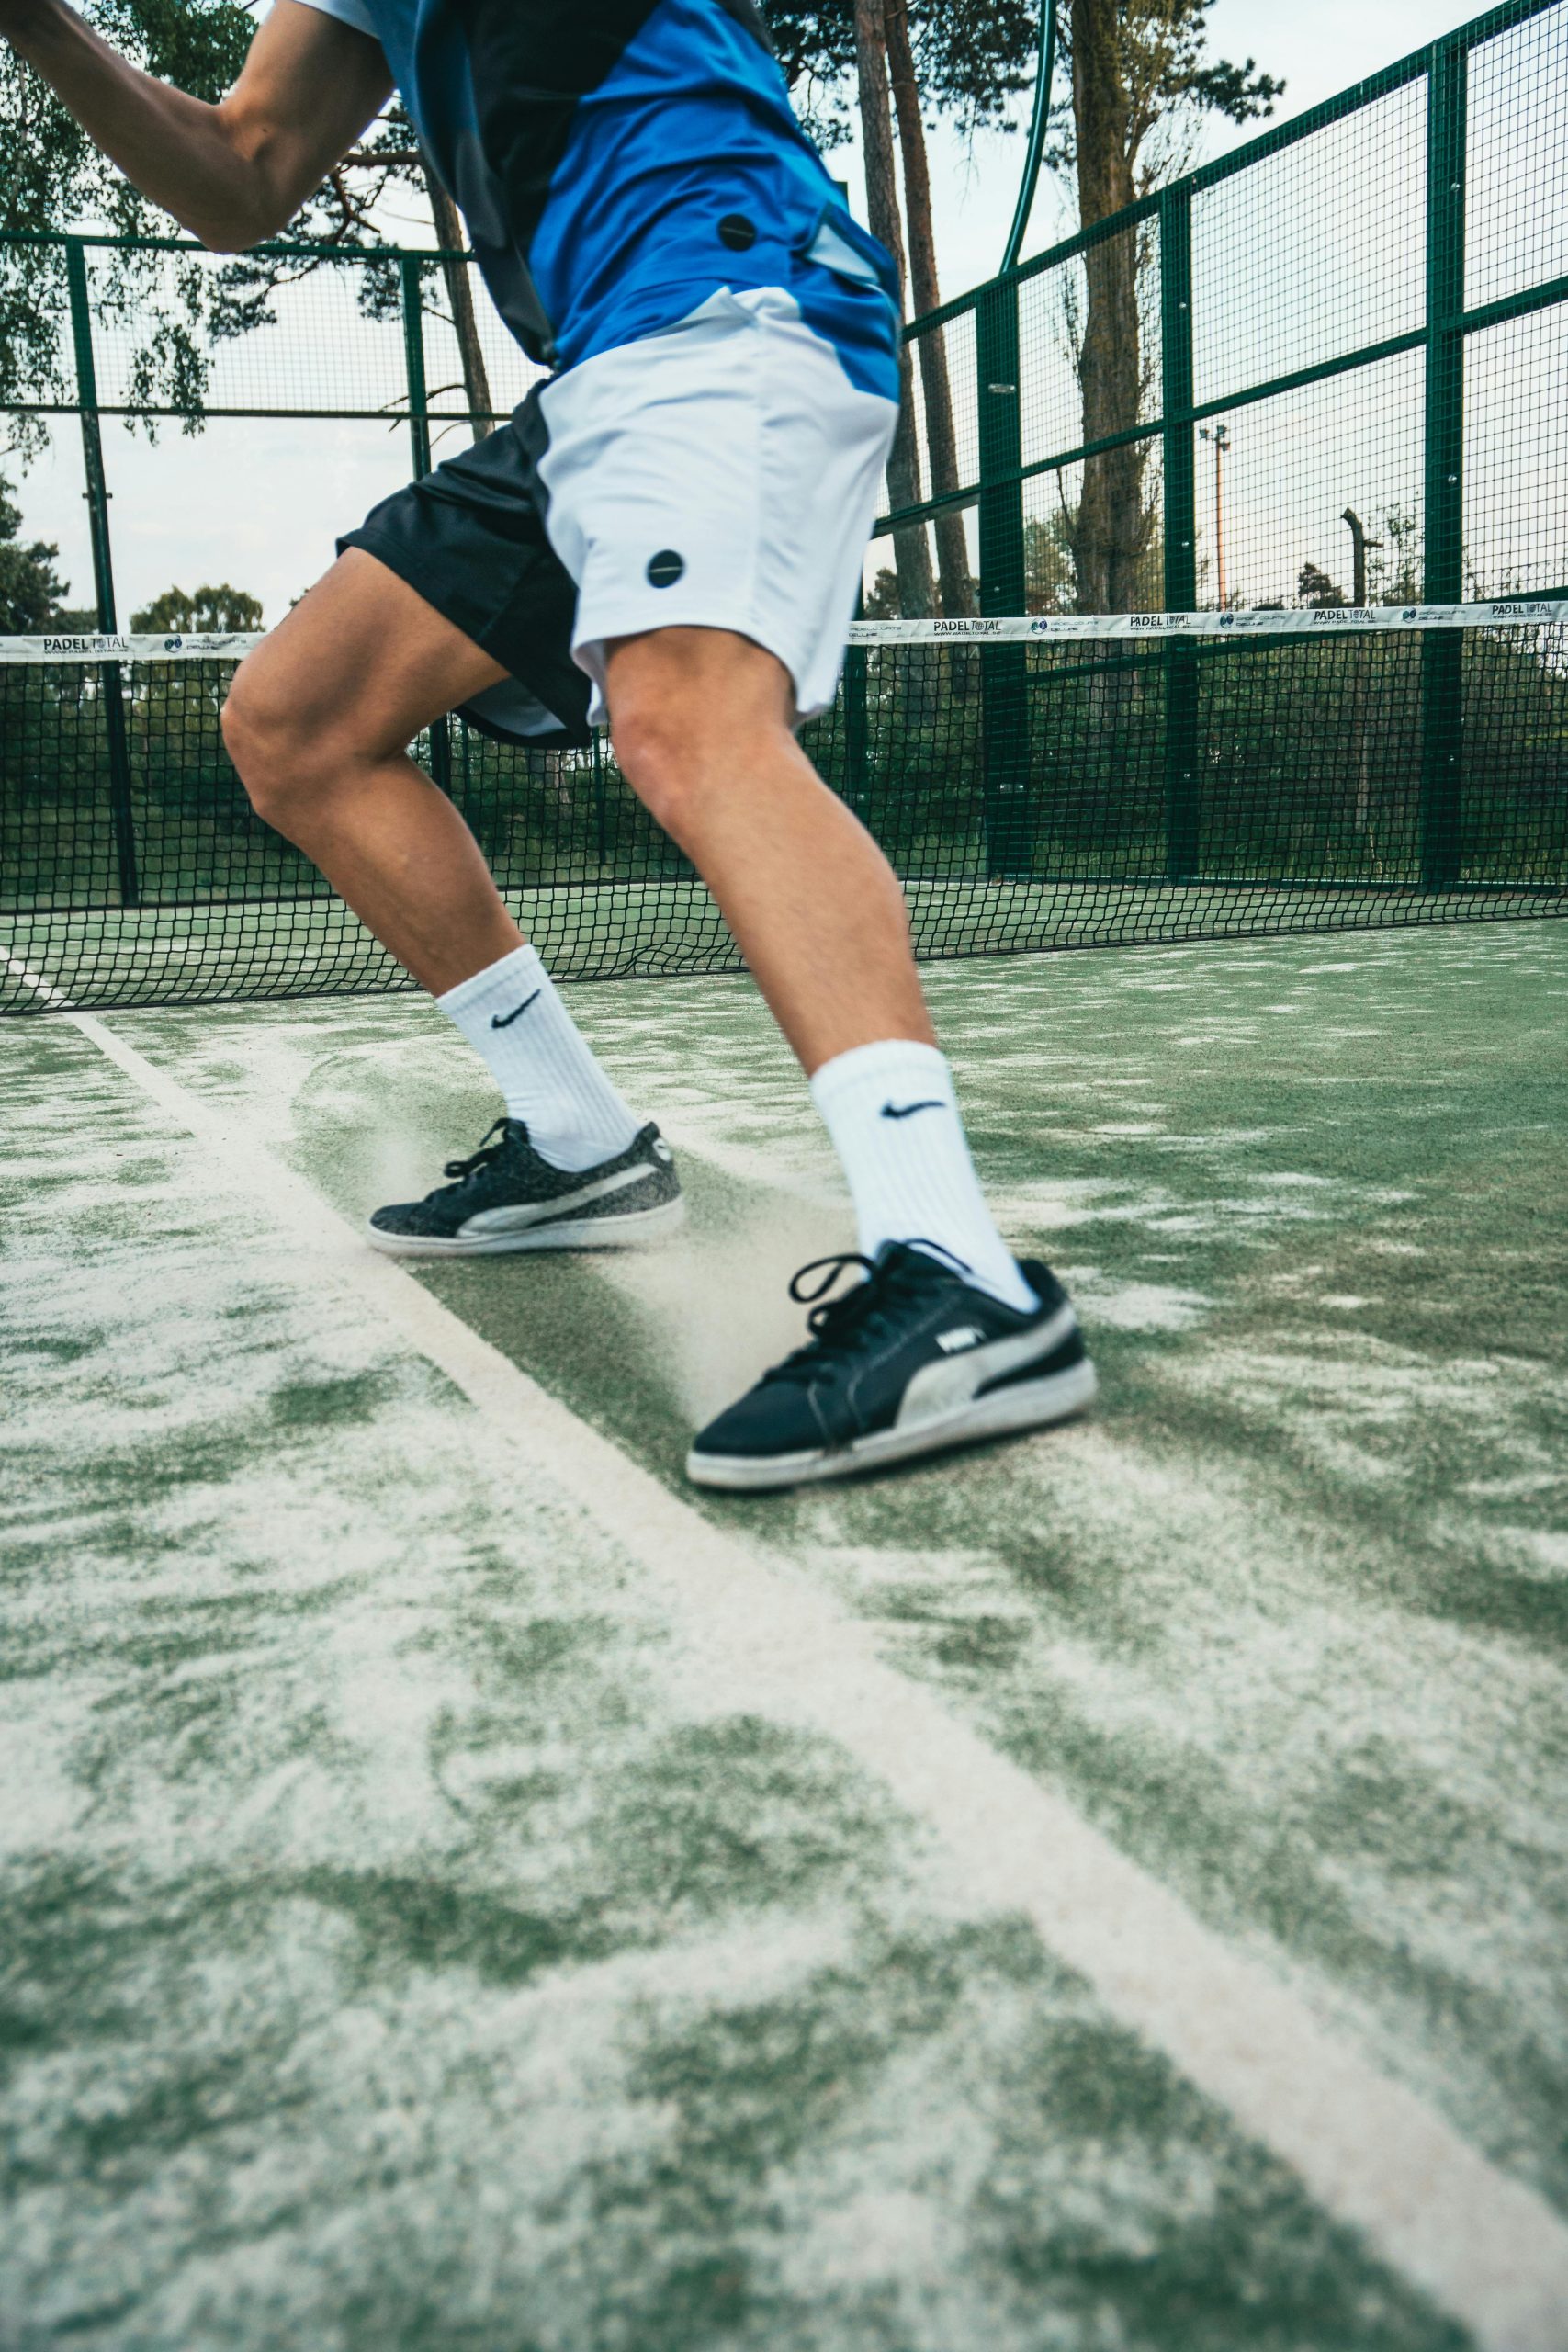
<point x="664" y="764"/>
<point x="272" y="751"/>
<point x="258" y="739"/>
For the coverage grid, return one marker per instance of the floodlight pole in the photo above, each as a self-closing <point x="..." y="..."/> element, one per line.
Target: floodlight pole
<point x="1038" y="130"/>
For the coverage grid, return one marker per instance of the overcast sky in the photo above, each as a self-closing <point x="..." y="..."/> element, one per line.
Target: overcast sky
<point x="260" y="503"/>
<point x="1314" y="49"/>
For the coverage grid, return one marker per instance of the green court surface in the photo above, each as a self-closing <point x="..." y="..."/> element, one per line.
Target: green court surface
<point x="212" y="950"/>
<point x="466" y="1891"/>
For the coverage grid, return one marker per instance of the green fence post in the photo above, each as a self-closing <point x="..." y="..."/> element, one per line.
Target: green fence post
<point x="1181" y="496"/>
<point x="857" y="745"/>
<point x="121" y="814"/>
<point x="411" y="272"/>
<point x="1442" y="650"/>
<point x="1004" y="669"/>
<point x="600" y="833"/>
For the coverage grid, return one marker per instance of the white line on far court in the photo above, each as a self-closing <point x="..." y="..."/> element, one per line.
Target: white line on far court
<point x="55" y="998"/>
<point x="1486" y="2248"/>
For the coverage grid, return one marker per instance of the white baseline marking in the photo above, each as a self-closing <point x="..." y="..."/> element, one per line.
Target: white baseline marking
<point x="1486" y="2248"/>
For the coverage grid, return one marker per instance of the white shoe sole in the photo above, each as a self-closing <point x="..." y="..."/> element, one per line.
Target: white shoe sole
<point x="1033" y="1405"/>
<point x="628" y="1232"/>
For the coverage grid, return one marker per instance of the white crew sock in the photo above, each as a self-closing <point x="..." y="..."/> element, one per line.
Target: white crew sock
<point x="894" y="1119"/>
<point x="512" y="1016"/>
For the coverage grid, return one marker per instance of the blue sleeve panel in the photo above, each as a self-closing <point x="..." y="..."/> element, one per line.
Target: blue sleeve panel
<point x="619" y="160"/>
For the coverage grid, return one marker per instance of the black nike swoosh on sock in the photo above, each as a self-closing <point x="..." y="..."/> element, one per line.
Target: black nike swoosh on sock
<point x="505" y="1019"/>
<point x="908" y="1110"/>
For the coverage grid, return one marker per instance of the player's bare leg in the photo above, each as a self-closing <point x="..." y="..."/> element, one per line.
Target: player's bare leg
<point x="947" y="1339"/>
<point x="318" y="722"/>
<point x="702" y="723"/>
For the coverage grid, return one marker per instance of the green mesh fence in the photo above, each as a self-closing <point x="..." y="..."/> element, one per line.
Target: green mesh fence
<point x="1305" y="397"/>
<point x="1325" y="369"/>
<point x="1019" y="775"/>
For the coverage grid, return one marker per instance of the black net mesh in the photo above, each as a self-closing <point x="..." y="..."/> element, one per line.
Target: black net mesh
<point x="1036" y="785"/>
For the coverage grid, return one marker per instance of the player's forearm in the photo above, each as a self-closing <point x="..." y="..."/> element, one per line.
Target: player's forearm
<point x="177" y="150"/>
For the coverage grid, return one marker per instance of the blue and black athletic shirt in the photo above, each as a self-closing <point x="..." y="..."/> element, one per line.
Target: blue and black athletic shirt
<point x="617" y="162"/>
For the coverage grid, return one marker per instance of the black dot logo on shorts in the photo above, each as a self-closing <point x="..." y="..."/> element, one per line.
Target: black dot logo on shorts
<point x="665" y="569"/>
<point x="736" y="232"/>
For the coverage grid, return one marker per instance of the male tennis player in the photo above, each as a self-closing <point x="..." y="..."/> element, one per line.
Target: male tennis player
<point x="672" y="529"/>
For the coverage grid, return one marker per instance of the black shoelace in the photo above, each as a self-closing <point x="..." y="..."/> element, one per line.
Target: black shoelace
<point x="486" y="1156"/>
<point x="841" y="1327"/>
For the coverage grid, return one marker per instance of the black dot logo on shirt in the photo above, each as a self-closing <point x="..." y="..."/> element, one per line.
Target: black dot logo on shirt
<point x="665" y="569"/>
<point x="736" y="232"/>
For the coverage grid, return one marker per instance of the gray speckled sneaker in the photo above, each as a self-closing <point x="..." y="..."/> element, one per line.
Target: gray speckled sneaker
<point x="506" y="1197"/>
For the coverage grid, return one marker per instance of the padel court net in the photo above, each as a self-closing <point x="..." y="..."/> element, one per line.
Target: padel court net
<point x="1037" y="782"/>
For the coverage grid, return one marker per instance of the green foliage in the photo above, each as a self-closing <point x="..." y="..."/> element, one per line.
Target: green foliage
<point x="880" y="601"/>
<point x="173" y="306"/>
<point x="973" y="57"/>
<point x="1050" y="578"/>
<point x="1396" y="571"/>
<point x="56" y="179"/>
<point x="1168" y="80"/>
<point x="201" y="611"/>
<point x="1050" y="566"/>
<point x="30" y="589"/>
<point x="1317" y="589"/>
<point x="1310" y="766"/>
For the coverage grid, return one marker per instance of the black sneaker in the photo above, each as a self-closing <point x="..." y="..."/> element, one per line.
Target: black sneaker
<point x="506" y="1197"/>
<point x="913" y="1359"/>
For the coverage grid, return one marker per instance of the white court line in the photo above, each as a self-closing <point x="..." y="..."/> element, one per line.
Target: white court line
<point x="1486" y="2248"/>
<point x="56" y="999"/>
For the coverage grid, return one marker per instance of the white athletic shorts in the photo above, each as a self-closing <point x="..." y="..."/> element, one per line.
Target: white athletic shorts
<point x="724" y="474"/>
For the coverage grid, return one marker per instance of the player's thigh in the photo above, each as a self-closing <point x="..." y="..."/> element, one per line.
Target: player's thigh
<point x="709" y="680"/>
<point x="720" y="477"/>
<point x="359" y="665"/>
<point x="688" y="708"/>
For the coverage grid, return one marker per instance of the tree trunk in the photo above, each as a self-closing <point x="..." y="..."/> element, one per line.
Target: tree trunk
<point x="941" y="445"/>
<point x="1112" y="531"/>
<point x="912" y="555"/>
<point x="461" y="293"/>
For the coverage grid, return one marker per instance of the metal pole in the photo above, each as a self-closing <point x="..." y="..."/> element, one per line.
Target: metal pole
<point x="1038" y="131"/>
<point x="121" y="814"/>
<point x="1220" y="438"/>
<point x="599" y="812"/>
<point x="412" y="277"/>
<point x="1443" y="655"/>
<point x="1004" y="673"/>
<point x="1180" y="471"/>
<point x="857" y="774"/>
